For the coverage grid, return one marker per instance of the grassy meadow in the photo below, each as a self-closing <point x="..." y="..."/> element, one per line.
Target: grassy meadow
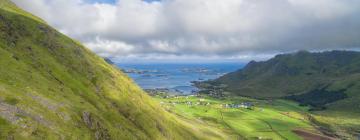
<point x="264" y="120"/>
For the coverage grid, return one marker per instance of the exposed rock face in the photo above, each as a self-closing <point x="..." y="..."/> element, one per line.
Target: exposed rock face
<point x="10" y="112"/>
<point x="93" y="124"/>
<point x="14" y="115"/>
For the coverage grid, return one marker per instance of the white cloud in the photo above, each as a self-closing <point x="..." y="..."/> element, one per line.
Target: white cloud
<point x="110" y="48"/>
<point x="204" y="28"/>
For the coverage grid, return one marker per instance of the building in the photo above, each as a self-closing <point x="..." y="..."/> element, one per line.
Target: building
<point x="246" y="105"/>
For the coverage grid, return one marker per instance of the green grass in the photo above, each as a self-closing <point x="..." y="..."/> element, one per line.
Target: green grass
<point x="11" y="100"/>
<point x="274" y="121"/>
<point x="5" y="128"/>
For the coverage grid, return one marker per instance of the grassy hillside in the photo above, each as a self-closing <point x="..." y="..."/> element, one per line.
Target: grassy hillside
<point x="329" y="82"/>
<point x="51" y="87"/>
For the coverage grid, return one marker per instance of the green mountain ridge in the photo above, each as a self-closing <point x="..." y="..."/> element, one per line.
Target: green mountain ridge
<point x="51" y="87"/>
<point x="294" y="74"/>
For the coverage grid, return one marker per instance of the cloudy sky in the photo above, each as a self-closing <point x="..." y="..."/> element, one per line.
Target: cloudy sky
<point x="213" y="30"/>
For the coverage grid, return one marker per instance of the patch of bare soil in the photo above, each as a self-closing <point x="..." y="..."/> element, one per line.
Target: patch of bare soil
<point x="306" y="135"/>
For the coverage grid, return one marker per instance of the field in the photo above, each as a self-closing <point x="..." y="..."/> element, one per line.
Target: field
<point x="264" y="120"/>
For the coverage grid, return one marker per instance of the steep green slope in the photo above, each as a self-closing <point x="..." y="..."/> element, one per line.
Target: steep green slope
<point x="327" y="81"/>
<point x="51" y="87"/>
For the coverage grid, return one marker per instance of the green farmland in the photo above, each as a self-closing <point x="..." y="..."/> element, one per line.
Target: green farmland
<point x="264" y="120"/>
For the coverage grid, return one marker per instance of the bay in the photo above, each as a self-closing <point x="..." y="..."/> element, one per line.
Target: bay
<point x="176" y="77"/>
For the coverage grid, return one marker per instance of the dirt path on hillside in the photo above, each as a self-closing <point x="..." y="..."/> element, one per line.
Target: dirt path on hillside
<point x="311" y="136"/>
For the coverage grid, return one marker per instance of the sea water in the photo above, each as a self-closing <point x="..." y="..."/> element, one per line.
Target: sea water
<point x="176" y="76"/>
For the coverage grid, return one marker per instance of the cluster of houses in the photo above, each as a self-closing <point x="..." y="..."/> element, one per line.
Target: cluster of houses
<point x="179" y="96"/>
<point x="202" y="102"/>
<point x="189" y="103"/>
<point x="246" y="105"/>
<point x="198" y="103"/>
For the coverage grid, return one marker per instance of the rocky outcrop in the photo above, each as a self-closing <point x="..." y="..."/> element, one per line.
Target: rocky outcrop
<point x="100" y="133"/>
<point x="10" y="113"/>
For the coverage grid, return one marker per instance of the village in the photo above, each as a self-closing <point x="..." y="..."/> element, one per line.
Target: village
<point x="199" y="100"/>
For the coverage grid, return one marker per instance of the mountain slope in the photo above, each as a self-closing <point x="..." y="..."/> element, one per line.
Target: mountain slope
<point x="294" y="74"/>
<point x="51" y="87"/>
<point x="327" y="81"/>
